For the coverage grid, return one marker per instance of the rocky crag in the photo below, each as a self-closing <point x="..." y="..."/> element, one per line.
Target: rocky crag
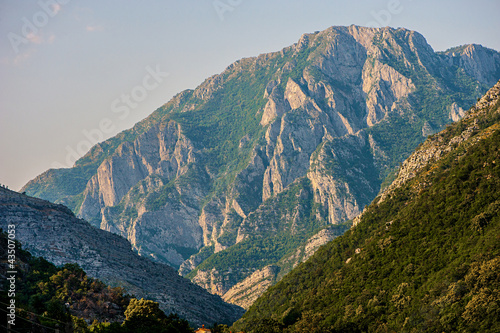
<point x="232" y="178"/>
<point x="53" y="232"/>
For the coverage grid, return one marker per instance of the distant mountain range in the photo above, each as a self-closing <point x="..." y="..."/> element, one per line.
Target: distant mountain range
<point x="240" y="180"/>
<point x="423" y="257"/>
<point x="53" y="232"/>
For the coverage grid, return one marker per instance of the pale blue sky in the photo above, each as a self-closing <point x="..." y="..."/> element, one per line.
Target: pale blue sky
<point x="65" y="65"/>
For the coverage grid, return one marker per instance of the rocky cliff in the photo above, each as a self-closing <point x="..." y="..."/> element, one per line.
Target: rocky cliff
<point x="236" y="175"/>
<point x="52" y="231"/>
<point x="477" y="61"/>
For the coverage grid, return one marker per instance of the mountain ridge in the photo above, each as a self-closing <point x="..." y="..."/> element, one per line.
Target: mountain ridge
<point x="316" y="126"/>
<point x="53" y="232"/>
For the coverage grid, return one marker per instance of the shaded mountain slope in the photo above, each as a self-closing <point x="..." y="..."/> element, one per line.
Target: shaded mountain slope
<point x="53" y="232"/>
<point x="424" y="256"/>
<point x="43" y="289"/>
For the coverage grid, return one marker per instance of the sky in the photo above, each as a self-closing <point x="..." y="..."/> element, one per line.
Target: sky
<point x="74" y="73"/>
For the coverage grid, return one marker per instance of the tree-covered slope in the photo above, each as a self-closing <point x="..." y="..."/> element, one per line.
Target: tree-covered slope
<point x="423" y="257"/>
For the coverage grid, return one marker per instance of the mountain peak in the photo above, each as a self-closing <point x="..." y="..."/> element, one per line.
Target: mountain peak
<point x="270" y="151"/>
<point x="476" y="60"/>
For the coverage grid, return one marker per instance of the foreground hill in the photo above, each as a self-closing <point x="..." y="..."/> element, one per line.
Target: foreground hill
<point x="53" y="232"/>
<point x="229" y="181"/>
<point x="48" y="298"/>
<point x="423" y="257"/>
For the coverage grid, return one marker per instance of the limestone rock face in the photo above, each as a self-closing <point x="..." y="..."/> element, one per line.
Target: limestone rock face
<point x="345" y="188"/>
<point x="275" y="106"/>
<point x="154" y="158"/>
<point x="478" y="61"/>
<point x="456" y="112"/>
<point x="390" y="87"/>
<point x="53" y="232"/>
<point x="246" y="292"/>
<point x="271" y="151"/>
<point x="316" y="241"/>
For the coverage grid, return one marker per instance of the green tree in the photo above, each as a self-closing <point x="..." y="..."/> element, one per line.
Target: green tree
<point x="268" y="325"/>
<point x="146" y="316"/>
<point x="57" y="311"/>
<point x="97" y="327"/>
<point x="143" y="315"/>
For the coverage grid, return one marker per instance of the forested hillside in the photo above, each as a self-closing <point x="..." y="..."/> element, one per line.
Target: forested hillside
<point x="423" y="257"/>
<point x="49" y="298"/>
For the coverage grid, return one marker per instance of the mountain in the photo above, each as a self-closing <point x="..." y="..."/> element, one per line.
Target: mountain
<point x="423" y="257"/>
<point x="53" y="232"/>
<point x="237" y="176"/>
